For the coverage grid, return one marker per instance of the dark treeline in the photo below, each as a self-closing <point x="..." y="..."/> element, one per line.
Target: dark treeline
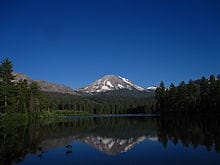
<point x="18" y="96"/>
<point x="200" y="96"/>
<point x="25" y="97"/>
<point x="100" y="104"/>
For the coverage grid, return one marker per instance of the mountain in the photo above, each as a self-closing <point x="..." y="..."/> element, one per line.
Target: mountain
<point x="44" y="85"/>
<point x="110" y="83"/>
<point x="20" y="76"/>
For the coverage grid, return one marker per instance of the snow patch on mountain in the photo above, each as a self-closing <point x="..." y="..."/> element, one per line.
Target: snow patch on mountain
<point x="105" y="88"/>
<point x="109" y="84"/>
<point x="131" y="84"/>
<point x="152" y="88"/>
<point x="120" y="86"/>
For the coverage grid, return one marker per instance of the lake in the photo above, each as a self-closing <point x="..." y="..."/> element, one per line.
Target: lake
<point x="111" y="140"/>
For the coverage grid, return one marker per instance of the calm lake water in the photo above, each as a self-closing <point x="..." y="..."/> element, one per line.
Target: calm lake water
<point x="111" y="140"/>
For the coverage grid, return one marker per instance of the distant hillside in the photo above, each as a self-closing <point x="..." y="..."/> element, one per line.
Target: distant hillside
<point x="44" y="85"/>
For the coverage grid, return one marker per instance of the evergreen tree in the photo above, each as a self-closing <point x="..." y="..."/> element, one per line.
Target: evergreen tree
<point x="22" y="96"/>
<point x="217" y="95"/>
<point x="160" y="95"/>
<point x="193" y="94"/>
<point x="212" y="91"/>
<point x="172" y="96"/>
<point x="204" y="93"/>
<point x="7" y="93"/>
<point x="34" y="95"/>
<point x="200" y="96"/>
<point x="181" y="96"/>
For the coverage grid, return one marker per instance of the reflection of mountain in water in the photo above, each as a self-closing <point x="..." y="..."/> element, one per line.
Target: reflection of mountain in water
<point x="111" y="135"/>
<point x="113" y="146"/>
<point x="117" y="139"/>
<point x="110" y="146"/>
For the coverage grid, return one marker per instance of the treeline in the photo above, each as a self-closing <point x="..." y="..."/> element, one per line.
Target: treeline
<point x="18" y="96"/>
<point x="100" y="104"/>
<point x="200" y="96"/>
<point x="25" y="97"/>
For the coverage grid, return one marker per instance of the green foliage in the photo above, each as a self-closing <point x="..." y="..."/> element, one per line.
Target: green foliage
<point x="13" y="117"/>
<point x="18" y="96"/>
<point x="7" y="91"/>
<point x="67" y="113"/>
<point x="161" y="95"/>
<point x="101" y="104"/>
<point x="22" y="96"/>
<point x="201" y="96"/>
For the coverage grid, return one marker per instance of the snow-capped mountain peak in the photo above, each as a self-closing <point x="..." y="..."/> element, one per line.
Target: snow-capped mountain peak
<point x="110" y="83"/>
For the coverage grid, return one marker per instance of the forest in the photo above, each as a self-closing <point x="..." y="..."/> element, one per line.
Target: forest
<point x="199" y="96"/>
<point x="23" y="97"/>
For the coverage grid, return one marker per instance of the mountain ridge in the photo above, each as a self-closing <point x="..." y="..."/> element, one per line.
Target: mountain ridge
<point x="45" y="85"/>
<point x="106" y="84"/>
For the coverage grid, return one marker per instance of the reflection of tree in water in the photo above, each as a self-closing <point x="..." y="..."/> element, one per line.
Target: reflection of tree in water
<point x="195" y="131"/>
<point x="111" y="135"/>
<point x="16" y="141"/>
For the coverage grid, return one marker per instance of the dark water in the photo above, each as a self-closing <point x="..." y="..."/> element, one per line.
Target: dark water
<point x="112" y="140"/>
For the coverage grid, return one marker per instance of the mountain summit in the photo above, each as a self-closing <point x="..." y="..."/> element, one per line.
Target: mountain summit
<point x="110" y="83"/>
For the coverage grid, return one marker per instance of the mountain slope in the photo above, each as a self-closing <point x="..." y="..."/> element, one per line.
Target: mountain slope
<point x="44" y="85"/>
<point x="111" y="83"/>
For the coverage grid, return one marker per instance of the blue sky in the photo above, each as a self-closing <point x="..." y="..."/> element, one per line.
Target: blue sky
<point x="76" y="42"/>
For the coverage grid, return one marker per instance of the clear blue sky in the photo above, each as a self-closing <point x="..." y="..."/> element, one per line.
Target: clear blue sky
<point x="76" y="42"/>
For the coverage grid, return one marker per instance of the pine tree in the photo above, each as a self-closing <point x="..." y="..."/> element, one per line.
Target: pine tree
<point x="22" y="96"/>
<point x="160" y="95"/>
<point x="193" y="94"/>
<point x="172" y="96"/>
<point x="204" y="93"/>
<point x="7" y="93"/>
<point x="217" y="95"/>
<point x="181" y="96"/>
<point x="212" y="92"/>
<point x="34" y="95"/>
